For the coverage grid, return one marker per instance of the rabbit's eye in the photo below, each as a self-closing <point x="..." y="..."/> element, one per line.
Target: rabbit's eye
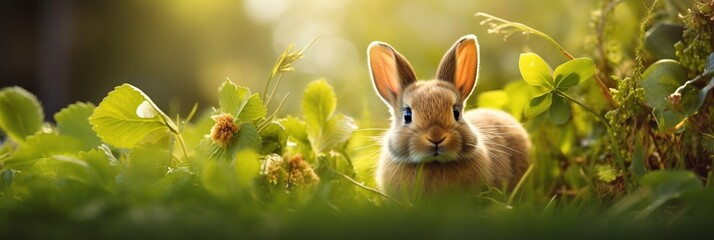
<point x="456" y="114"/>
<point x="407" y="115"/>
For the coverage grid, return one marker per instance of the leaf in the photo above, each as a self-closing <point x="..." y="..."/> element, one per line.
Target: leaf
<point x="538" y="105"/>
<point x="638" y="159"/>
<point x="337" y="130"/>
<point x="710" y="63"/>
<point x="149" y="162"/>
<point x="664" y="185"/>
<point x="145" y="110"/>
<point x="238" y="101"/>
<point x="247" y="167"/>
<point x="73" y="121"/>
<point x="247" y="138"/>
<point x="535" y="71"/>
<point x="116" y="122"/>
<point x="572" y="72"/>
<point x="61" y="166"/>
<point x="605" y="173"/>
<point x="92" y="167"/>
<point x="274" y="139"/>
<point x="295" y="128"/>
<point x="216" y="178"/>
<point x="657" y="189"/>
<point x="497" y="99"/>
<point x="6" y="178"/>
<point x="661" y="79"/>
<point x="559" y="111"/>
<point x="20" y="113"/>
<point x="105" y="166"/>
<point x="253" y="109"/>
<point x="318" y="103"/>
<point x="324" y="131"/>
<point x="43" y="145"/>
<point x="670" y="182"/>
<point x="660" y="39"/>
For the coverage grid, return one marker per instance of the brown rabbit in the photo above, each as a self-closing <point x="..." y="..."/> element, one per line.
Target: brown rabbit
<point x="433" y="145"/>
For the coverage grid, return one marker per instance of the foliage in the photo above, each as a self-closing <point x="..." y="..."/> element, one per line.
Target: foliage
<point x="637" y="148"/>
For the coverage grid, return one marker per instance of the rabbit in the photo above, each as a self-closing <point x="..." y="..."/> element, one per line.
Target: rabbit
<point x="432" y="144"/>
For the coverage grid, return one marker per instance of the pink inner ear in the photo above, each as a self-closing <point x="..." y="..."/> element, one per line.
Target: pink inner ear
<point x="466" y="67"/>
<point x="384" y="71"/>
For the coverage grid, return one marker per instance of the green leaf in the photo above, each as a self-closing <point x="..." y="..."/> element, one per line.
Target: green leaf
<point x="73" y="121"/>
<point x="538" y="105"/>
<point x="572" y="72"/>
<point x="295" y="128"/>
<point x="149" y="162"/>
<point x="274" y="139"/>
<point x="247" y="167"/>
<point x="535" y="71"/>
<point x="665" y="185"/>
<point x="216" y="178"/>
<point x="247" y="138"/>
<point x="660" y="80"/>
<point x="660" y="39"/>
<point x="318" y="103"/>
<point x="559" y="111"/>
<point x="61" y="166"/>
<point x="605" y="173"/>
<point x="669" y="182"/>
<point x="43" y="145"/>
<point x="6" y="178"/>
<point x="238" y="101"/>
<point x="657" y="189"/>
<point x="117" y="119"/>
<point x="638" y="159"/>
<point x="324" y="130"/>
<point x="105" y="166"/>
<point x="337" y="130"/>
<point x="92" y="167"/>
<point x="20" y="113"/>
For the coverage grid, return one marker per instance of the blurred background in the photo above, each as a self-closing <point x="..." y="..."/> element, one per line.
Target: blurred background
<point x="179" y="51"/>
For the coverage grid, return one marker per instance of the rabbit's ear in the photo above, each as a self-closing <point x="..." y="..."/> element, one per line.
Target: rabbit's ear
<point x="460" y="65"/>
<point x="389" y="70"/>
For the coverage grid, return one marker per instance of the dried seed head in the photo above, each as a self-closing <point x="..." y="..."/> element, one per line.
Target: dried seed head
<point x="224" y="129"/>
<point x="301" y="173"/>
<point x="290" y="172"/>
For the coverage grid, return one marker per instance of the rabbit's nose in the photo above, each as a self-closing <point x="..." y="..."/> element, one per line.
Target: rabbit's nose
<point x="435" y="135"/>
<point x="436" y="142"/>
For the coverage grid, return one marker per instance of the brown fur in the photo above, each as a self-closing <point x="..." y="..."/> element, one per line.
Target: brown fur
<point x="436" y="152"/>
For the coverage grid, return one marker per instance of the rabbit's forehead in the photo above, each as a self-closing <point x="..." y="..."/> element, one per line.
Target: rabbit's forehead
<point x="429" y="95"/>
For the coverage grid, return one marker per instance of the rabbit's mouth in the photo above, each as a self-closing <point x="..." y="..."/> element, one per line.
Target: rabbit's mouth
<point x="438" y="154"/>
<point x="436" y="150"/>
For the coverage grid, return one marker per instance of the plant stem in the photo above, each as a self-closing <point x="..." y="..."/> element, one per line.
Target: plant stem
<point x="272" y="92"/>
<point x="618" y="154"/>
<point x="375" y="191"/>
<point x="503" y="25"/>
<point x="520" y="183"/>
<point x="522" y="27"/>
<point x="602" y="119"/>
<point x="182" y="144"/>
